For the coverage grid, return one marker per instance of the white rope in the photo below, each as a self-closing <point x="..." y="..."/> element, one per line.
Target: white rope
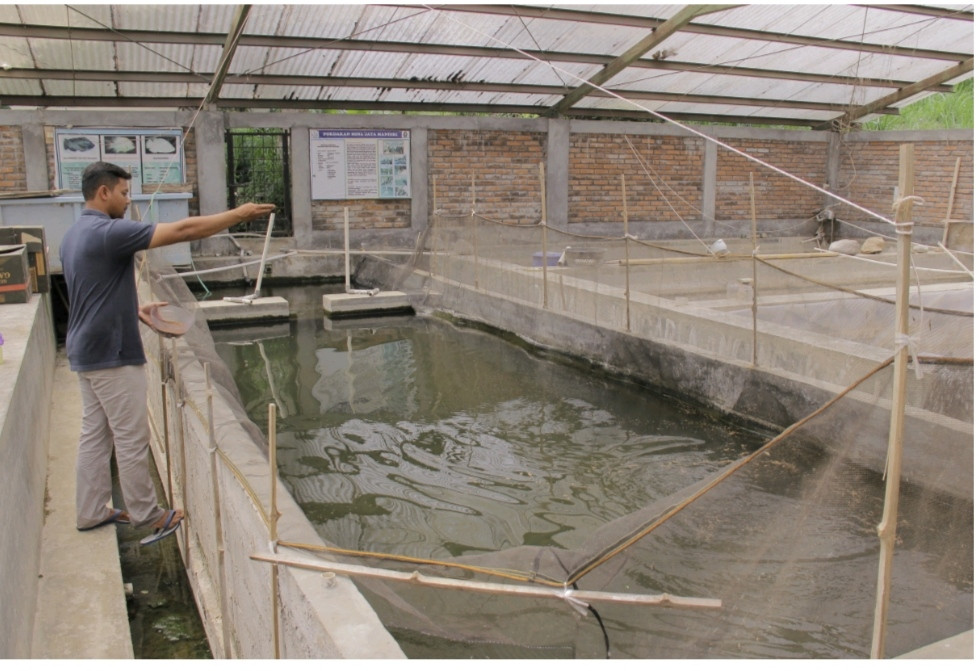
<point x="580" y="606"/>
<point x="911" y="343"/>
<point x="187" y="273"/>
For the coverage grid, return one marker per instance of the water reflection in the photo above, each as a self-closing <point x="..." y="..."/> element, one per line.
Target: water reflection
<point x="415" y="437"/>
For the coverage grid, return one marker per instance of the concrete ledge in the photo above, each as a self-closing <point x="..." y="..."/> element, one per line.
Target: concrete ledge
<point x="349" y="305"/>
<point x="26" y="379"/>
<point x="956" y="647"/>
<point x="268" y="309"/>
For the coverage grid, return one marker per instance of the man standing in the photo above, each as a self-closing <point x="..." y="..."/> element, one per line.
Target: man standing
<point x="105" y="349"/>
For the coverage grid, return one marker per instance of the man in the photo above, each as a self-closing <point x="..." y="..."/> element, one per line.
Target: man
<point x="105" y="349"/>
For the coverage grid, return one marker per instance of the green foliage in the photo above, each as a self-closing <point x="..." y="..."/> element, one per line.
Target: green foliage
<point x="938" y="111"/>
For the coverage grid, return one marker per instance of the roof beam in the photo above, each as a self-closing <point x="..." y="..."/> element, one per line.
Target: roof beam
<point x="386" y="83"/>
<point x="875" y="107"/>
<point x="936" y="12"/>
<point x="617" y="65"/>
<point x="583" y="16"/>
<point x="173" y="37"/>
<point x="231" y="103"/>
<point x="230" y="46"/>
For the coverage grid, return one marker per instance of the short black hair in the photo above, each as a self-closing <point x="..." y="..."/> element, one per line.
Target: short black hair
<point x="101" y="173"/>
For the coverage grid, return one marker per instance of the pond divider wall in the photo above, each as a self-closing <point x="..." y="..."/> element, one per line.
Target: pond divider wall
<point x="226" y="494"/>
<point x="703" y="355"/>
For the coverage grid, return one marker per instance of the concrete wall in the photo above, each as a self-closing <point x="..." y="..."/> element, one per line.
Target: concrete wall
<point x="219" y="473"/>
<point x="26" y="378"/>
<point x="705" y="355"/>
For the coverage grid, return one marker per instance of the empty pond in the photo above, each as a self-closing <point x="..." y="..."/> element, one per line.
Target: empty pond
<point x="410" y="436"/>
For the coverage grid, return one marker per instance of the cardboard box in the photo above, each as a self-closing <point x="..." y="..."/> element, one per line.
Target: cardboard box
<point x="15" y="275"/>
<point x="37" y="253"/>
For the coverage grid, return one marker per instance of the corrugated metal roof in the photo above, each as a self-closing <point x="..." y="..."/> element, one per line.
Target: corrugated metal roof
<point x="801" y="64"/>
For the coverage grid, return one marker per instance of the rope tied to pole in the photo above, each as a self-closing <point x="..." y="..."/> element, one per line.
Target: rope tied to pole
<point x="909" y="341"/>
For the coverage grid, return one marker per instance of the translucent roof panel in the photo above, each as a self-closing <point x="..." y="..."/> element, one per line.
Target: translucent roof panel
<point x="807" y="63"/>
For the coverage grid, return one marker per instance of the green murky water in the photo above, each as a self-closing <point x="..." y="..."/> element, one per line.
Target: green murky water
<point x="412" y="436"/>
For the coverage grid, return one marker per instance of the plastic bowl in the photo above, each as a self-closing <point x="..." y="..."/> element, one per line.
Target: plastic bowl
<point x="170" y="320"/>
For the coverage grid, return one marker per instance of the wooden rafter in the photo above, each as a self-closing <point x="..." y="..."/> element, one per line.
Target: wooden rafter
<point x="630" y="55"/>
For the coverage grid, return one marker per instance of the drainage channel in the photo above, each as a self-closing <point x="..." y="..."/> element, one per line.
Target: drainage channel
<point x="163" y="618"/>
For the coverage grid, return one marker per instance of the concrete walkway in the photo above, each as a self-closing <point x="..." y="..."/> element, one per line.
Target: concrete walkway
<point x="81" y="608"/>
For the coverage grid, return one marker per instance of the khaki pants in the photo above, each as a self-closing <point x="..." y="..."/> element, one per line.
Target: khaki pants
<point x="114" y="414"/>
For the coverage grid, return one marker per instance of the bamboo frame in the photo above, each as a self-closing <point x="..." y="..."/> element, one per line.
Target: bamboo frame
<point x="543" y="229"/>
<point x="887" y="529"/>
<point x="581" y="596"/>
<point x="274" y="526"/>
<point x="625" y="228"/>
<point x="212" y="449"/>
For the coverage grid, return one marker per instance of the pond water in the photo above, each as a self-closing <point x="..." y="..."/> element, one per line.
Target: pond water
<point x="412" y="436"/>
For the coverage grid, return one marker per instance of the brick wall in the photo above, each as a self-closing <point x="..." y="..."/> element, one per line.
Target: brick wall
<point x="663" y="174"/>
<point x="663" y="178"/>
<point x="503" y="165"/>
<point x="375" y="214"/>
<point x="776" y="196"/>
<point x="869" y="173"/>
<point x="12" y="169"/>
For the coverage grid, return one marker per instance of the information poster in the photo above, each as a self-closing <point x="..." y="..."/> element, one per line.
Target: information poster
<point x="359" y="164"/>
<point x="152" y="156"/>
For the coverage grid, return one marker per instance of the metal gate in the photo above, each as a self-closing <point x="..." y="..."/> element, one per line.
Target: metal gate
<point x="258" y="171"/>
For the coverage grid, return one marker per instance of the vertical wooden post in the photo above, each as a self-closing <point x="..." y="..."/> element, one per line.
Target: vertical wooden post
<point x="754" y="275"/>
<point x="274" y="524"/>
<point x="887" y="529"/>
<point x="543" y="228"/>
<point x="212" y="449"/>
<point x="179" y="432"/>
<point x="472" y="220"/>
<point x="951" y="200"/>
<point x="625" y="226"/>
<point x="346" y="248"/>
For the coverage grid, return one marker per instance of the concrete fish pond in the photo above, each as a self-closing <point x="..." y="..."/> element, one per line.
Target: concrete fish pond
<point x="409" y="438"/>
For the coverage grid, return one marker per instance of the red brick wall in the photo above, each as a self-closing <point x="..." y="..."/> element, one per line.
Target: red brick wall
<point x="869" y="173"/>
<point x="776" y="196"/>
<point x="12" y="169"/>
<point x="363" y="214"/>
<point x="663" y="178"/>
<point x="504" y="166"/>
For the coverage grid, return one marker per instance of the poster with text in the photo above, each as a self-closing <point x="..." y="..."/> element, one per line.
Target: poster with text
<point x="359" y="164"/>
<point x="151" y="155"/>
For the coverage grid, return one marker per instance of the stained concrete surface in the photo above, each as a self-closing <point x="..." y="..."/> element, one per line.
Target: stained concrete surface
<point x="81" y="607"/>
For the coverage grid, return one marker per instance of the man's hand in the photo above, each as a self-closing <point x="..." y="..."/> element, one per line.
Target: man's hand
<point x="250" y="211"/>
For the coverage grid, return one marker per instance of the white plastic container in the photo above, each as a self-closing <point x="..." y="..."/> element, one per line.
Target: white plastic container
<point x="57" y="213"/>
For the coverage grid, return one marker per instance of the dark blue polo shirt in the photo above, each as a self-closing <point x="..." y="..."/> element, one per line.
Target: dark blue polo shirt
<point x="103" y="320"/>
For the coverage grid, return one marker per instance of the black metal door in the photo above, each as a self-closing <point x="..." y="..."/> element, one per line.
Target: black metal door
<point x="258" y="171"/>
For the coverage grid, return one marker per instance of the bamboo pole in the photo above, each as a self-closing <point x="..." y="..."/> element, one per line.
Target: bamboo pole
<point x="274" y="525"/>
<point x="729" y="258"/>
<point x="581" y="596"/>
<point x="346" y="248"/>
<point x="472" y="220"/>
<point x="951" y="200"/>
<point x="887" y="529"/>
<point x="181" y="452"/>
<point x="754" y="274"/>
<point x="543" y="228"/>
<point x="212" y="449"/>
<point x="165" y="406"/>
<point x="436" y="229"/>
<point x="625" y="226"/>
